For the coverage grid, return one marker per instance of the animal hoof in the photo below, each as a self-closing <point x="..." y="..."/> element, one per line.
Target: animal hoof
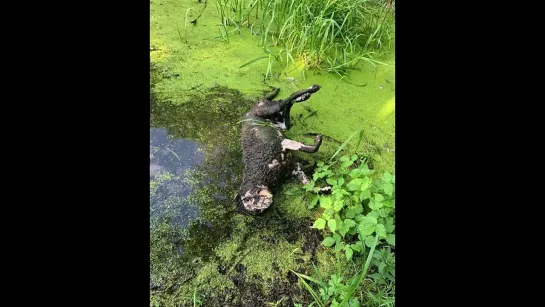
<point x="318" y="138"/>
<point x="314" y="88"/>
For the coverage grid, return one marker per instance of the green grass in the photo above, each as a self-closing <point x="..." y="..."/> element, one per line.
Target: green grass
<point x="332" y="35"/>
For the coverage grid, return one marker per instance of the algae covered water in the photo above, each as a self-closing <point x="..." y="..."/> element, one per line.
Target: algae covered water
<point x="202" y="250"/>
<point x="198" y="238"/>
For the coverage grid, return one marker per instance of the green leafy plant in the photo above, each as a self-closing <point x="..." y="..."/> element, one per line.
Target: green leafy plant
<point x="384" y="261"/>
<point x="359" y="205"/>
<point x="339" y="290"/>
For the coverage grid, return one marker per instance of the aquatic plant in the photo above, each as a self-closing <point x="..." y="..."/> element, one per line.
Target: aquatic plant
<point x="332" y="35"/>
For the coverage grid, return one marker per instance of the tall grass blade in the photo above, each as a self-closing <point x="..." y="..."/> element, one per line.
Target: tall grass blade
<point x="302" y="278"/>
<point x="345" y="143"/>
<point x="353" y="287"/>
<point x="185" y="24"/>
<point x="254" y="60"/>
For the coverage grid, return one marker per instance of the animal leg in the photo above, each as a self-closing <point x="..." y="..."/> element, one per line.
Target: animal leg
<point x="304" y="94"/>
<point x="294" y="145"/>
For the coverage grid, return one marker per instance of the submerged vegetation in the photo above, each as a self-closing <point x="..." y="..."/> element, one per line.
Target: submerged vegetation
<point x="310" y="248"/>
<point x="331" y="35"/>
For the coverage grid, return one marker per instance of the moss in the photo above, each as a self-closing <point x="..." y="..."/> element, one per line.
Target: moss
<point x="208" y="277"/>
<point x="291" y="200"/>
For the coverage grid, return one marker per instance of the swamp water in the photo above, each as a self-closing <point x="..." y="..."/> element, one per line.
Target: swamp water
<point x="198" y="239"/>
<point x="199" y="244"/>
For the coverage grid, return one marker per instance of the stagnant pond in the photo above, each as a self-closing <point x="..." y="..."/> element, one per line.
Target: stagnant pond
<point x="199" y="240"/>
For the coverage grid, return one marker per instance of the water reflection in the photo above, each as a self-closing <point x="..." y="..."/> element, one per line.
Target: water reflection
<point x="196" y="164"/>
<point x="202" y="137"/>
<point x="170" y="159"/>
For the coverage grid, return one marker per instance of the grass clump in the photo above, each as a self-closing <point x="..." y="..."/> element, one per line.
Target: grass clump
<point x="332" y="35"/>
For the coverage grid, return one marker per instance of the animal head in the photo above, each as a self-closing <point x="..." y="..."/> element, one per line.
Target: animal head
<point x="257" y="199"/>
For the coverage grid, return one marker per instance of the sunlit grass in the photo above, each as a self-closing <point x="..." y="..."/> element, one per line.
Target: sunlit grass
<point x="332" y="35"/>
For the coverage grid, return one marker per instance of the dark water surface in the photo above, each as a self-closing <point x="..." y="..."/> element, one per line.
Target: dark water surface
<point x="169" y="161"/>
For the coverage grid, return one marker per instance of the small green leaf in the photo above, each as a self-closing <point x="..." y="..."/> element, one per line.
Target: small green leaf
<point x="366" y="229"/>
<point x="365" y="169"/>
<point x="373" y="214"/>
<point x="359" y="218"/>
<point x="339" y="204"/>
<point x="349" y="223"/>
<point x="337" y="193"/>
<point x="388" y="188"/>
<point x="384" y="212"/>
<point x="365" y="184"/>
<point x="344" y="158"/>
<point x="381" y="267"/>
<point x="354" y="157"/>
<point x="348" y="253"/>
<point x="359" y="246"/>
<point x="367" y="225"/>
<point x="355" y="199"/>
<point x="375" y="205"/>
<point x="388" y="203"/>
<point x="391" y="239"/>
<point x="339" y="245"/>
<point x="387" y="177"/>
<point x="369" y="241"/>
<point x="343" y="229"/>
<point x="325" y="202"/>
<point x="331" y="181"/>
<point x="340" y="182"/>
<point x="350" y="213"/>
<point x="356" y="247"/>
<point x="389" y="224"/>
<point x="379" y="197"/>
<point x="328" y="241"/>
<point x="365" y="194"/>
<point x="320" y="164"/>
<point x="354" y="184"/>
<point x="345" y="165"/>
<point x="332" y="224"/>
<point x="355" y="173"/>
<point x="337" y="237"/>
<point x="313" y="201"/>
<point x="381" y="230"/>
<point x="319" y="224"/>
<point x="358" y="209"/>
<point x="354" y="302"/>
